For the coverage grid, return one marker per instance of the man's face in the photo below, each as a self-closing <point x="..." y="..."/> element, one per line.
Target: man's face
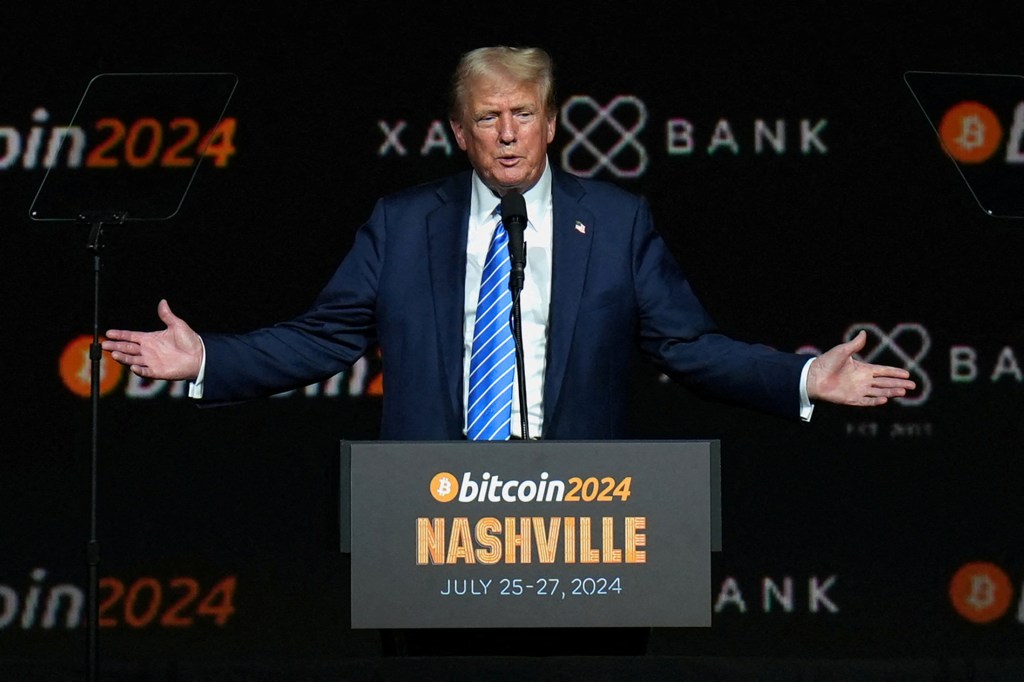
<point x="505" y="131"/>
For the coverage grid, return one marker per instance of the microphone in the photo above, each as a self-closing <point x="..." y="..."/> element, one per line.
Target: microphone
<point x="513" y="217"/>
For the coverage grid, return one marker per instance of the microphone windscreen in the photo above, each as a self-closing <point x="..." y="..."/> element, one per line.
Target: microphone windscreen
<point x="513" y="208"/>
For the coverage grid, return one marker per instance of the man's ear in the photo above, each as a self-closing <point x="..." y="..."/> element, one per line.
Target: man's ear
<point x="460" y="133"/>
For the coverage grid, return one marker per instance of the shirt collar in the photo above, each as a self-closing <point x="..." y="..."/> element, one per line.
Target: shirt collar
<point x="484" y="201"/>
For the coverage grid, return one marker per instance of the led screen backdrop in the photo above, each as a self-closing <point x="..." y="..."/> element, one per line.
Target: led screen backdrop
<point x="788" y="165"/>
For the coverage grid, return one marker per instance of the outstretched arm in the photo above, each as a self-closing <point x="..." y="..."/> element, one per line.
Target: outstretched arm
<point x="837" y="377"/>
<point x="172" y="353"/>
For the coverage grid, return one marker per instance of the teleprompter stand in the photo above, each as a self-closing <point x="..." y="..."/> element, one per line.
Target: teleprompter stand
<point x="110" y="166"/>
<point x="977" y="120"/>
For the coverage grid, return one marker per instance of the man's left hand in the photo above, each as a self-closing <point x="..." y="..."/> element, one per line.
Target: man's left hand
<point x="837" y="377"/>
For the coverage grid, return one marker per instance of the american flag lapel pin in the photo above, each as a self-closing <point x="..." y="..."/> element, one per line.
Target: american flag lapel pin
<point x="581" y="228"/>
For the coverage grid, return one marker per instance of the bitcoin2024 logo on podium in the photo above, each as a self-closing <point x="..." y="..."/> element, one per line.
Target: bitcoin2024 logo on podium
<point x="444" y="487"/>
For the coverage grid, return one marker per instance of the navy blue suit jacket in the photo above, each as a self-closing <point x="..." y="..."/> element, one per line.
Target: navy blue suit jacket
<point x="615" y="286"/>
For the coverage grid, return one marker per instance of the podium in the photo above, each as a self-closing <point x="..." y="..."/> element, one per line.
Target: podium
<point x="460" y="534"/>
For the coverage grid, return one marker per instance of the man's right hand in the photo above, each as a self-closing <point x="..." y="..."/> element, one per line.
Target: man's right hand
<point x="173" y="353"/>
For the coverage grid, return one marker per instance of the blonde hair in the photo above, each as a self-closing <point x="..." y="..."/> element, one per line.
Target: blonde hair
<point x="524" y="64"/>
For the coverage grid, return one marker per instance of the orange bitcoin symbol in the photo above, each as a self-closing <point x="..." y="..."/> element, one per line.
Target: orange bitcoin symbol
<point x="76" y="368"/>
<point x="980" y="592"/>
<point x="444" y="487"/>
<point x="970" y="132"/>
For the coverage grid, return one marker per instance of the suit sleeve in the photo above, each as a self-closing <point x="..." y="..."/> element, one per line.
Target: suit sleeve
<point x="677" y="333"/>
<point x="327" y="338"/>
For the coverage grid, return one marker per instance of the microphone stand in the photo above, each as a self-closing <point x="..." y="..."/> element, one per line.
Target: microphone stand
<point x="513" y="211"/>
<point x="520" y="363"/>
<point x="516" y="284"/>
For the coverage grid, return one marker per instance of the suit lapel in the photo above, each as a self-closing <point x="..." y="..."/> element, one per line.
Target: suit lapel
<point x="570" y="256"/>
<point x="447" y="230"/>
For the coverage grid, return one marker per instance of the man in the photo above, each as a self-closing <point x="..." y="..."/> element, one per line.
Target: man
<point x="598" y="280"/>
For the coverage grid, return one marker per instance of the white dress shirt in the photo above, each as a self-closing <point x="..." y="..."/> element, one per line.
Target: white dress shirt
<point x="535" y="298"/>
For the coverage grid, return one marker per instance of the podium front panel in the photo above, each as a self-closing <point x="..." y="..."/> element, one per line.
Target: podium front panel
<point x="530" y="534"/>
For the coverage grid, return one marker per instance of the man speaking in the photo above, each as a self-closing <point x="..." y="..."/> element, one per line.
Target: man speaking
<point x="596" y="281"/>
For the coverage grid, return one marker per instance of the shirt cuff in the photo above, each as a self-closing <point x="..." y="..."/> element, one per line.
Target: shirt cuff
<point x="195" y="388"/>
<point x="806" y="406"/>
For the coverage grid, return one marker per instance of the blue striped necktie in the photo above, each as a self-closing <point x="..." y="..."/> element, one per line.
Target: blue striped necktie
<point x="493" y="362"/>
